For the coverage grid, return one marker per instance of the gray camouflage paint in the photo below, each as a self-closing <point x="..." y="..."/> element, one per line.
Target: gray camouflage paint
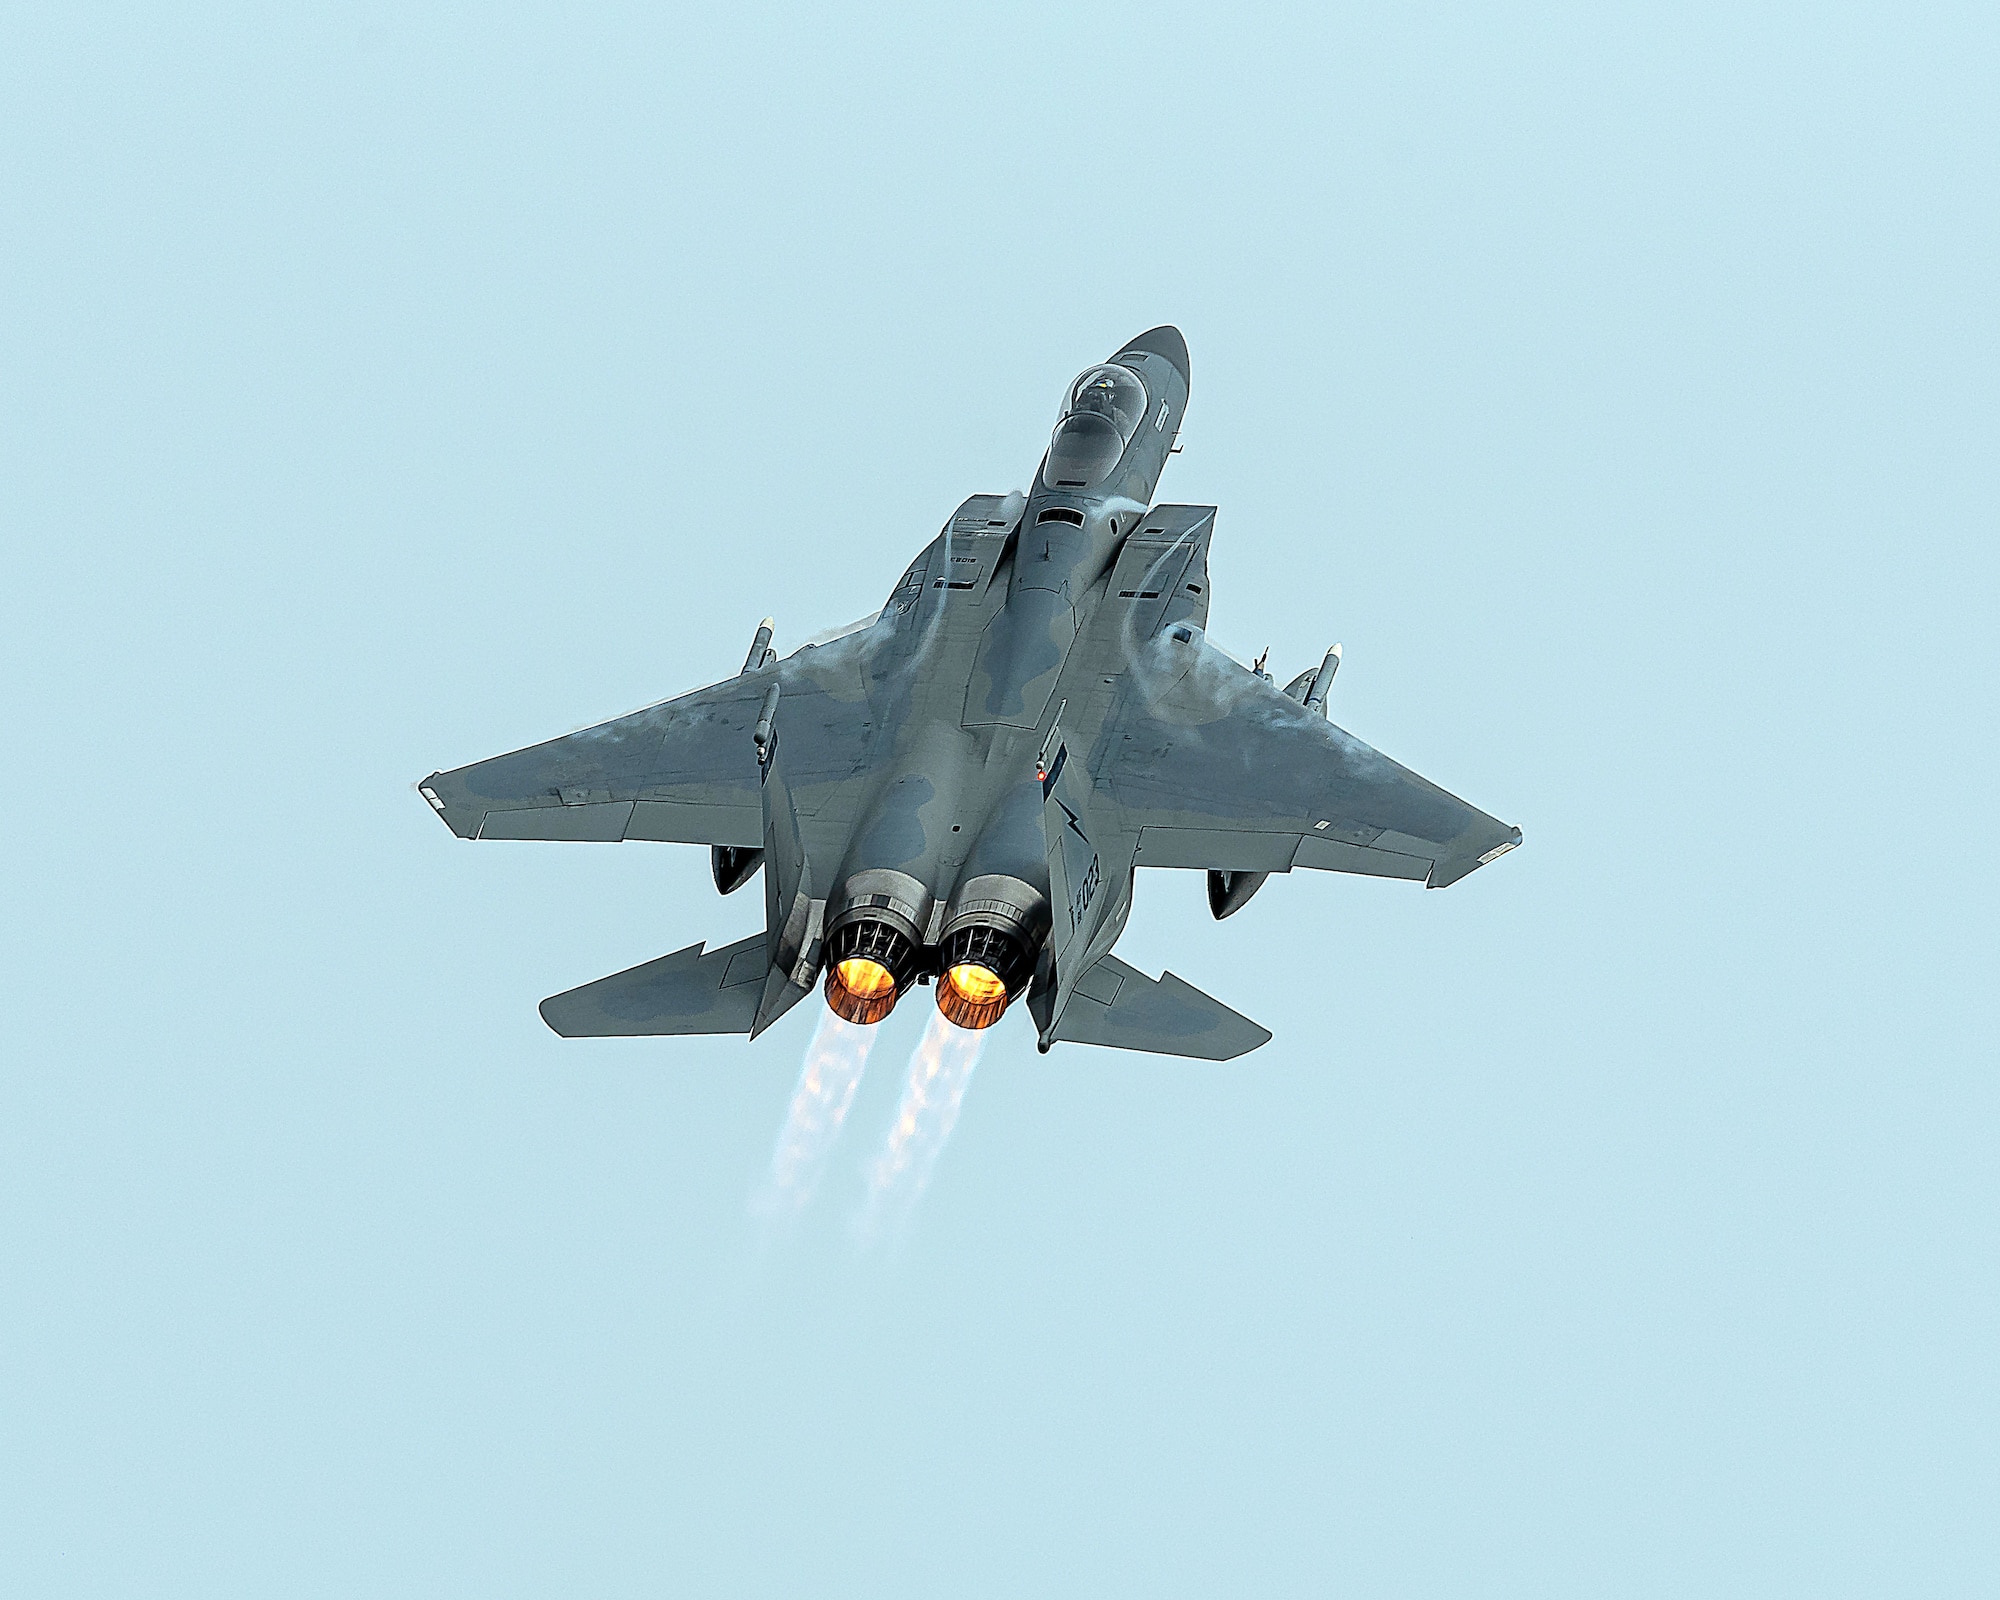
<point x="906" y="755"/>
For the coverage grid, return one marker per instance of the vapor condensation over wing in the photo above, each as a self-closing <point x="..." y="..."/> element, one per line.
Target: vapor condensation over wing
<point x="933" y="1090"/>
<point x="835" y="1060"/>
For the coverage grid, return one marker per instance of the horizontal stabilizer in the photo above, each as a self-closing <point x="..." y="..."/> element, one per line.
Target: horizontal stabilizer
<point x="690" y="991"/>
<point x="1117" y="1005"/>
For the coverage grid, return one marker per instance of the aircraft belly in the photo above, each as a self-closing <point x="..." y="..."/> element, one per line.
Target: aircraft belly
<point x="1021" y="657"/>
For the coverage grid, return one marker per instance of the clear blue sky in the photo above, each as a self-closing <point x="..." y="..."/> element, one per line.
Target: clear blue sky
<point x="389" y="386"/>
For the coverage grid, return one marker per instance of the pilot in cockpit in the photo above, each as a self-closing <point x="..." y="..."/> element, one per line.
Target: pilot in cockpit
<point x="1099" y="416"/>
<point x="1114" y="393"/>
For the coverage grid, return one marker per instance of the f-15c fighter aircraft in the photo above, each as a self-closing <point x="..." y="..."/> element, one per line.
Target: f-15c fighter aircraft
<point x="959" y="792"/>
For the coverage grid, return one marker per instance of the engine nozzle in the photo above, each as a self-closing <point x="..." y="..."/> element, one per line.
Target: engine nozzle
<point x="984" y="969"/>
<point x="868" y="965"/>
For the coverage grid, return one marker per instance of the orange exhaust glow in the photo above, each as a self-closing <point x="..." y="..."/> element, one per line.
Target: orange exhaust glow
<point x="860" y="990"/>
<point x="972" y="996"/>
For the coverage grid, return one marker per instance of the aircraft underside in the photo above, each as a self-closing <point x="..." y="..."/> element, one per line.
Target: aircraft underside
<point x="958" y="794"/>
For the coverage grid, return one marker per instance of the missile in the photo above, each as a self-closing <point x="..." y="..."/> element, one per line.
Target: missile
<point x="761" y="654"/>
<point x="761" y="735"/>
<point x="1323" y="681"/>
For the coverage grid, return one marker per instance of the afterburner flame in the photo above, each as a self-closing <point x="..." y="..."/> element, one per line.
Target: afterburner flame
<point x="972" y="996"/>
<point x="834" y="1062"/>
<point x="933" y="1089"/>
<point x="860" y="990"/>
<point x="866" y="978"/>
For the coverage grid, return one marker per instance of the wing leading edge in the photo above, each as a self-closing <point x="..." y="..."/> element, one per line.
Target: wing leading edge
<point x="683" y="771"/>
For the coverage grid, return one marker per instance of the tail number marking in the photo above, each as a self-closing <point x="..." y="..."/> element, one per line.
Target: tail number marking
<point x="1086" y="891"/>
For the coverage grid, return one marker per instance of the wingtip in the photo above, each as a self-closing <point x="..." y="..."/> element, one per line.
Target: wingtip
<point x="1446" y="872"/>
<point x="428" y="791"/>
<point x="1251" y="1036"/>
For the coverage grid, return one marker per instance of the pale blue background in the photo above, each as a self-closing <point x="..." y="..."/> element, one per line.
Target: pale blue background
<point x="386" y="390"/>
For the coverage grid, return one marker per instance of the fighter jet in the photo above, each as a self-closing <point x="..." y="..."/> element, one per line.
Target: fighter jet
<point x="959" y="793"/>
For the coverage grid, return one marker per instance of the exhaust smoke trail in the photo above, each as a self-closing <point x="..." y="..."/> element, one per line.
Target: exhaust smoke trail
<point x="834" y="1062"/>
<point x="933" y="1090"/>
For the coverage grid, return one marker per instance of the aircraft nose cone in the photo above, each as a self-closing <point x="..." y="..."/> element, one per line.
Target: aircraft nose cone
<point x="1166" y="342"/>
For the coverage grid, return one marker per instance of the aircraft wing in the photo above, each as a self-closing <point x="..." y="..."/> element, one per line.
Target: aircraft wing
<point x="684" y="771"/>
<point x="1212" y="767"/>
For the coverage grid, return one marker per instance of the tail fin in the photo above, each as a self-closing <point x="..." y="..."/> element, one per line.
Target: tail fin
<point x="1117" y="1005"/>
<point x="791" y="932"/>
<point x="690" y="991"/>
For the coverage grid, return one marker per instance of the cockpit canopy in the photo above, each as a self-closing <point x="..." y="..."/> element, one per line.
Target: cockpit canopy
<point x="1112" y="392"/>
<point x="1102" y="412"/>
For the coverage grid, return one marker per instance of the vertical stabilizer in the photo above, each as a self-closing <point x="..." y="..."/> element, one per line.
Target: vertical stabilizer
<point x="791" y="919"/>
<point x="1076" y="882"/>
